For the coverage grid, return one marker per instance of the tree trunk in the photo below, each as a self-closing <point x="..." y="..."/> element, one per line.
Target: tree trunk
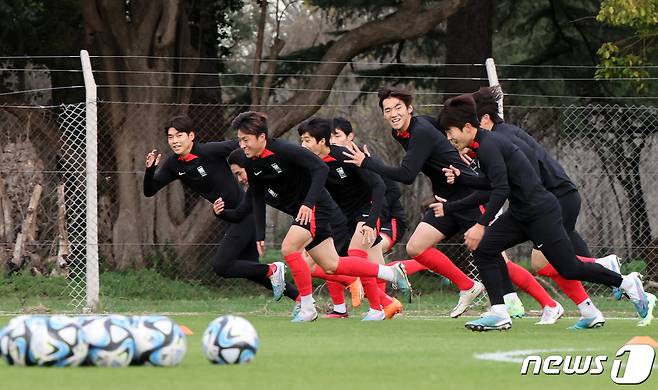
<point x="468" y="42"/>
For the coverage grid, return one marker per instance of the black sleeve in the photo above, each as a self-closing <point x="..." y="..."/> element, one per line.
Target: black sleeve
<point x="478" y="182"/>
<point x="393" y="193"/>
<point x="220" y="149"/>
<point x="474" y="199"/>
<point x="239" y="213"/>
<point x="419" y="150"/>
<point x="493" y="162"/>
<point x="156" y="178"/>
<point x="309" y="161"/>
<point x="378" y="189"/>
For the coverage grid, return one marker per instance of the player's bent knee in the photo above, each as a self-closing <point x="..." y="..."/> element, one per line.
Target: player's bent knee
<point x="413" y="249"/>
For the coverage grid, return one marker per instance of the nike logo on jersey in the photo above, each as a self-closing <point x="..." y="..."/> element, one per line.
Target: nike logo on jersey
<point x="539" y="246"/>
<point x="257" y="173"/>
<point x="181" y="173"/>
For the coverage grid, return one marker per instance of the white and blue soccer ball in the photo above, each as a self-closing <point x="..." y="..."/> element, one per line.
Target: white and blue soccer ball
<point x="111" y="341"/>
<point x="4" y="345"/>
<point x="159" y="341"/>
<point x="230" y="339"/>
<point x="46" y="341"/>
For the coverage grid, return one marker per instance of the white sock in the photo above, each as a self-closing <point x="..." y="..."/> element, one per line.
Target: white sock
<point x="499" y="311"/>
<point x="511" y="297"/>
<point x="340" y="308"/>
<point x="373" y="311"/>
<point x="307" y="301"/>
<point x="587" y="308"/>
<point x="386" y="273"/>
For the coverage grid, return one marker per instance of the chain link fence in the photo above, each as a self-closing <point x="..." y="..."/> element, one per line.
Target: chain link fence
<point x="608" y="150"/>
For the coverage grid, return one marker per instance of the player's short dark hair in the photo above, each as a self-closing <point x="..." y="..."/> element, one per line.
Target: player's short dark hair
<point x="389" y="92"/>
<point x="342" y="124"/>
<point x="318" y="128"/>
<point x="458" y="111"/>
<point x="238" y="158"/>
<point x="486" y="101"/>
<point x="251" y="122"/>
<point x="181" y="123"/>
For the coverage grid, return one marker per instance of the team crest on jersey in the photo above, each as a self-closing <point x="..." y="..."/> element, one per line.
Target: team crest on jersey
<point x="341" y="172"/>
<point x="272" y="193"/>
<point x="202" y="171"/>
<point x="276" y="167"/>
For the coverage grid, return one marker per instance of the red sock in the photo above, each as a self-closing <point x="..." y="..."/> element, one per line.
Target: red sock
<point x="385" y="299"/>
<point x="411" y="266"/>
<point x="300" y="273"/>
<point x="356" y="266"/>
<point x="336" y="292"/>
<point x="572" y="288"/>
<point x="526" y="282"/>
<point x="436" y="261"/>
<point x="271" y="269"/>
<point x="372" y="292"/>
<point x="345" y="280"/>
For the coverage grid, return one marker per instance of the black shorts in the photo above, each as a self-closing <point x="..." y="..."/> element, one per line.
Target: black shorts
<point x="570" y="209"/>
<point x="362" y="216"/>
<point x="326" y="222"/>
<point x="454" y="223"/>
<point x="394" y="229"/>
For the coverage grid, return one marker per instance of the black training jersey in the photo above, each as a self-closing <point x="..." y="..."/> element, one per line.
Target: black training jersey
<point x="205" y="171"/>
<point x="509" y="174"/>
<point x="354" y="188"/>
<point x="427" y="150"/>
<point x="552" y="174"/>
<point x="292" y="172"/>
<point x="394" y="208"/>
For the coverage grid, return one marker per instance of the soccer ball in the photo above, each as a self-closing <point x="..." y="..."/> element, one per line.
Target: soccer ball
<point x="111" y="341"/>
<point x="230" y="339"/>
<point x="46" y="341"/>
<point x="159" y="341"/>
<point x="4" y="345"/>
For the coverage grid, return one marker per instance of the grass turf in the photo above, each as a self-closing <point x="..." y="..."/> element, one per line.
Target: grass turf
<point x="414" y="352"/>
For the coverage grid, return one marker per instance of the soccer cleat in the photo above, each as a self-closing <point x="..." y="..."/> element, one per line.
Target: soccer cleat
<point x="374" y="315"/>
<point x="306" y="315"/>
<point x="515" y="308"/>
<point x="336" y="314"/>
<point x="466" y="298"/>
<point x="612" y="263"/>
<point x="646" y="320"/>
<point x="278" y="280"/>
<point x="632" y="285"/>
<point x="356" y="292"/>
<point x="491" y="322"/>
<point x="392" y="309"/>
<point x="550" y="315"/>
<point x="401" y="280"/>
<point x="296" y="309"/>
<point x="589" y="322"/>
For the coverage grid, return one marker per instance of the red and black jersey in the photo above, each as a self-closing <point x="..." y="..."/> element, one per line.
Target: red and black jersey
<point x="293" y="173"/>
<point x="205" y="171"/>
<point x="427" y="150"/>
<point x="354" y="189"/>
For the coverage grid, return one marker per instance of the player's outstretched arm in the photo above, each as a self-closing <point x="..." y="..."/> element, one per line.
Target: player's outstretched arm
<point x="155" y="179"/>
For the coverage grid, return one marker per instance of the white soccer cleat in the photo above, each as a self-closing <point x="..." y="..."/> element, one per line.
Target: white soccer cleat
<point x="306" y="314"/>
<point x="610" y="262"/>
<point x="278" y="280"/>
<point x="589" y="322"/>
<point x="631" y="284"/>
<point x="646" y="320"/>
<point x="550" y="315"/>
<point x="466" y="298"/>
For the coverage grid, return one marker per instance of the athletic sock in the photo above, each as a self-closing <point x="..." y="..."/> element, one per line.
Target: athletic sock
<point x="587" y="308"/>
<point x="356" y="266"/>
<point x="499" y="311"/>
<point x="336" y="292"/>
<point x="345" y="280"/>
<point x="526" y="282"/>
<point x="300" y="273"/>
<point x="438" y="262"/>
<point x="340" y="308"/>
<point x="307" y="301"/>
<point x="410" y="266"/>
<point x="572" y="288"/>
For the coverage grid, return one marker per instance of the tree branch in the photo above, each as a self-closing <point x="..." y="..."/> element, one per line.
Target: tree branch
<point x="260" y="38"/>
<point x="408" y="22"/>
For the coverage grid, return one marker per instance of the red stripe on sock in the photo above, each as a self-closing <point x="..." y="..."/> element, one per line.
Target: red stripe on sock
<point x="300" y="273"/>
<point x="526" y="282"/>
<point x="438" y="262"/>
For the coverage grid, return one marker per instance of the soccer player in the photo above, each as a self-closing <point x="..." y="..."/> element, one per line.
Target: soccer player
<point x="534" y="214"/>
<point x="298" y="177"/>
<point x="556" y="181"/>
<point x="335" y="283"/>
<point x="202" y="167"/>
<point x="427" y="150"/>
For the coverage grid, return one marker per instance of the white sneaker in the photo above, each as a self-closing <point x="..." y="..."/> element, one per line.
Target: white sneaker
<point x="374" y="315"/>
<point x="466" y="298"/>
<point x="610" y="262"/>
<point x="550" y="315"/>
<point x="278" y="280"/>
<point x="631" y="284"/>
<point x="589" y="322"/>
<point x="306" y="314"/>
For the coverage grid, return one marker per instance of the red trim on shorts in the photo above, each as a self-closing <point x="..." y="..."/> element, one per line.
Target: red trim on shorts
<point x="313" y="222"/>
<point x="482" y="209"/>
<point x="378" y="225"/>
<point x="394" y="231"/>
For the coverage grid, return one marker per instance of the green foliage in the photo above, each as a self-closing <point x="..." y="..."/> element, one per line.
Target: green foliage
<point x="24" y="285"/>
<point x="149" y="284"/>
<point x="615" y="65"/>
<point x="638" y="14"/>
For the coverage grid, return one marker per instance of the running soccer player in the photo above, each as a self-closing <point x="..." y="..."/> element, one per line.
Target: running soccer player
<point x="427" y="150"/>
<point x="534" y="214"/>
<point x="556" y="181"/>
<point x="298" y="177"/>
<point x="202" y="167"/>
